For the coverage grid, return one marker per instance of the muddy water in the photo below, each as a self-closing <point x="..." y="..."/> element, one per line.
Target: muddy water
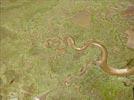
<point x="130" y="42"/>
<point x="82" y="19"/>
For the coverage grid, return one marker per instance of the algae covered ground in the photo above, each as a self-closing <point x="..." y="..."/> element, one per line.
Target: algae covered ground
<point x="28" y="67"/>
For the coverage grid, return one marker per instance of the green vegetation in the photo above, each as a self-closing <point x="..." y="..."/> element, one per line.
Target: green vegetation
<point x="29" y="68"/>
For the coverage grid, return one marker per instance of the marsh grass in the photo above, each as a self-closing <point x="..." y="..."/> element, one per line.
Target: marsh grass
<point x="25" y="27"/>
